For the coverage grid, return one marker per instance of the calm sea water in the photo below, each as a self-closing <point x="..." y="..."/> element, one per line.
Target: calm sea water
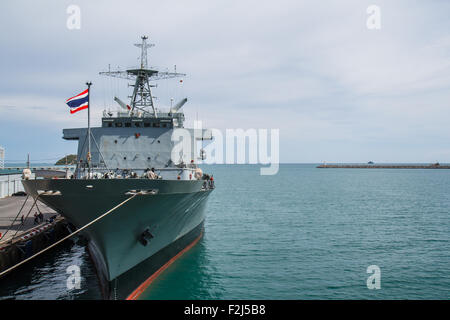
<point x="305" y="233"/>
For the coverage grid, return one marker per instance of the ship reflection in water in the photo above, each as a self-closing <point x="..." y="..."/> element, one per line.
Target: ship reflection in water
<point x="46" y="278"/>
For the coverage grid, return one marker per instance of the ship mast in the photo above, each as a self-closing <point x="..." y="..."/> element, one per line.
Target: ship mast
<point x="142" y="98"/>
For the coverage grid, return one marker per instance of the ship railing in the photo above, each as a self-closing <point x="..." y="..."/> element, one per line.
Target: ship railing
<point x="166" y="173"/>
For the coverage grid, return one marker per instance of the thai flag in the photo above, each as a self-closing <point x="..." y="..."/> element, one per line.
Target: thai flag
<point x="78" y="102"/>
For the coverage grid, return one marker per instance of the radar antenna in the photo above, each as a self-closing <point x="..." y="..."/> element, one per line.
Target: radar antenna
<point x="144" y="47"/>
<point x="142" y="98"/>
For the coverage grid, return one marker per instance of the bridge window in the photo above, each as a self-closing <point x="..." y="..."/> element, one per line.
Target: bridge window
<point x="127" y="124"/>
<point x="118" y="124"/>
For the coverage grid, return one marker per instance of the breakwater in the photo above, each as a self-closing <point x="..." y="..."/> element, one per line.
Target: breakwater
<point x="382" y="166"/>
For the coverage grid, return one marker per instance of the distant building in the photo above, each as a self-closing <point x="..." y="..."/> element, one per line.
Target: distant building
<point x="10" y="183"/>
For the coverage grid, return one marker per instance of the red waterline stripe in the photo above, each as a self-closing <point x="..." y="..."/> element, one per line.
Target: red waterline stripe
<point x="139" y="290"/>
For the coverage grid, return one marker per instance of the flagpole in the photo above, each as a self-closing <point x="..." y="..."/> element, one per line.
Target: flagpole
<point x="89" y="129"/>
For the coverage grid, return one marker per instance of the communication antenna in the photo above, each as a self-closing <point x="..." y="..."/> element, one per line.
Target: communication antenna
<point x="144" y="45"/>
<point x="142" y="98"/>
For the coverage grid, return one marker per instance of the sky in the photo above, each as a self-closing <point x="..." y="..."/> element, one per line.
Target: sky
<point x="337" y="90"/>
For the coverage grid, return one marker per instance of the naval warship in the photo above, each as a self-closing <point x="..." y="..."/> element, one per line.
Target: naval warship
<point x="130" y="156"/>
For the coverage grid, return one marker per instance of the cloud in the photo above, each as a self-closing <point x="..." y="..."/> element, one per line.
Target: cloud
<point x="312" y="69"/>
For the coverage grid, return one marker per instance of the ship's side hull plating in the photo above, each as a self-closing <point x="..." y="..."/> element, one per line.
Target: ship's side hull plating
<point x="169" y="219"/>
<point x="131" y="284"/>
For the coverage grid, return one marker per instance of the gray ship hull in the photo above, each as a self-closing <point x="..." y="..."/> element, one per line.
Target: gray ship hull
<point x="174" y="217"/>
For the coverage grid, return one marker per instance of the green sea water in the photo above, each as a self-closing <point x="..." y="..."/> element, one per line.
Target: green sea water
<point x="309" y="233"/>
<point x="304" y="233"/>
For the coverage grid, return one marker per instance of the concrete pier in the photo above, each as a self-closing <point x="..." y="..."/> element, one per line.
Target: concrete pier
<point x="24" y="240"/>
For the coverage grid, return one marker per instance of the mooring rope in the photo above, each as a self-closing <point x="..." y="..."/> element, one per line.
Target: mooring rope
<point x="26" y="217"/>
<point x="68" y="236"/>
<point x="10" y="226"/>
